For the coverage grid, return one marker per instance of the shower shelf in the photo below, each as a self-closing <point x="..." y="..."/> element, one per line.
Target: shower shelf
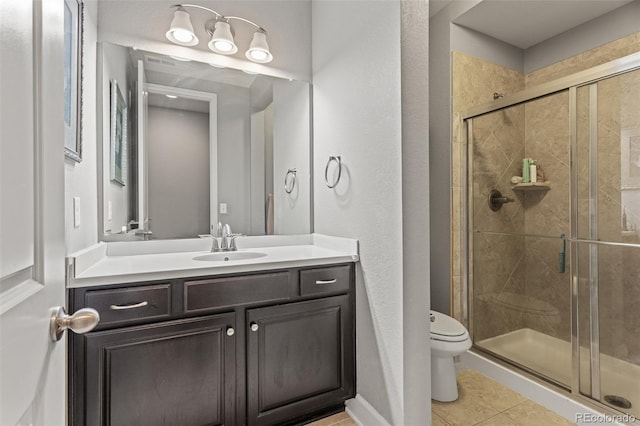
<point x="532" y="186"/>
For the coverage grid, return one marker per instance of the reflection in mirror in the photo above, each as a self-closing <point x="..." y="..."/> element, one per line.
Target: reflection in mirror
<point x="205" y="145"/>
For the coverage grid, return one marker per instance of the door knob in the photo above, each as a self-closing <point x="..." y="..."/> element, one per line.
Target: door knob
<point x="82" y="321"/>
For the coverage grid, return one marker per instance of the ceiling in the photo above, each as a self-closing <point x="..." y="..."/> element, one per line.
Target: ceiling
<point x="525" y="23"/>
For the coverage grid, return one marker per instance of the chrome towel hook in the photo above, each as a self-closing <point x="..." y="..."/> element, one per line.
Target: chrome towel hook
<point x="338" y="160"/>
<point x="289" y="184"/>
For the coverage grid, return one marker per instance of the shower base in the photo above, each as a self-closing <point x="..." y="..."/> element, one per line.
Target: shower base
<point x="551" y="357"/>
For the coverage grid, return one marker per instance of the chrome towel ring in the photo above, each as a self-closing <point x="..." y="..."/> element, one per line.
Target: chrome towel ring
<point x="290" y="183"/>
<point x="326" y="171"/>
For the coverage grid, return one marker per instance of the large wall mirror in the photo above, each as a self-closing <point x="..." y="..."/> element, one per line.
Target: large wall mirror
<point x="186" y="145"/>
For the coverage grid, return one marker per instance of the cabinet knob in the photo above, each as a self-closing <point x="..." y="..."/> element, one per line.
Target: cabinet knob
<point x="230" y="331"/>
<point x="254" y="326"/>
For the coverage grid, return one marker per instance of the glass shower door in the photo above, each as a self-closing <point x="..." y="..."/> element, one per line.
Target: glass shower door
<point x="606" y="177"/>
<point x="519" y="272"/>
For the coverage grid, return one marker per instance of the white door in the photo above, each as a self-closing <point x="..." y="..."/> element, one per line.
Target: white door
<point x="32" y="271"/>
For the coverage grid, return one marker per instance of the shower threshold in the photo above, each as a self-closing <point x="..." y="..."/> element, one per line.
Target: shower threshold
<point x="551" y="357"/>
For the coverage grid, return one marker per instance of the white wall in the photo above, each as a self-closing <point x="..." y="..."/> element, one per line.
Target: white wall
<point x="258" y="196"/>
<point x="115" y="65"/>
<point x="440" y="150"/>
<point x="415" y="211"/>
<point x="356" y="114"/>
<point x="234" y="157"/>
<point x="486" y="47"/>
<point x="291" y="150"/>
<point x="81" y="178"/>
<point x="370" y="106"/>
<point x="178" y="161"/>
<point x="607" y="28"/>
<point x="268" y="154"/>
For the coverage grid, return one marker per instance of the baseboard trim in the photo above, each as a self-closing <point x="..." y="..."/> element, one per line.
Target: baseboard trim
<point x="363" y="413"/>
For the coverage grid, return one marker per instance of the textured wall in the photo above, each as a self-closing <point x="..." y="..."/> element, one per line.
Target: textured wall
<point x="356" y="114"/>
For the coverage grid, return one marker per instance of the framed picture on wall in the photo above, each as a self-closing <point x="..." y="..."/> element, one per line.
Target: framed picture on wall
<point x="118" y="134"/>
<point x="73" y="29"/>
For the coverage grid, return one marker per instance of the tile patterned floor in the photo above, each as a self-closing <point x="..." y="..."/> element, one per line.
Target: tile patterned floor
<point x="484" y="402"/>
<point x="481" y="402"/>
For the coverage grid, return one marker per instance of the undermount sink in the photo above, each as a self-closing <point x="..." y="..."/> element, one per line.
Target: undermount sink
<point x="229" y="256"/>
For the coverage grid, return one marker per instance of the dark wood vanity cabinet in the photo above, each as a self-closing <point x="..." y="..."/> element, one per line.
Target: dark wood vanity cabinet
<point x="299" y="358"/>
<point x="215" y="351"/>
<point x="171" y="373"/>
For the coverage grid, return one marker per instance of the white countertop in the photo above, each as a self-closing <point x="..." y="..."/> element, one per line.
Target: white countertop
<point x="136" y="261"/>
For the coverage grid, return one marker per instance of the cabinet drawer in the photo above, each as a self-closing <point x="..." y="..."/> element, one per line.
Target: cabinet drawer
<point x="202" y="295"/>
<point x="130" y="304"/>
<point x="325" y="280"/>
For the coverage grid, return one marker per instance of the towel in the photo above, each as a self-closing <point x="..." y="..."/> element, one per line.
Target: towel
<point x="270" y="214"/>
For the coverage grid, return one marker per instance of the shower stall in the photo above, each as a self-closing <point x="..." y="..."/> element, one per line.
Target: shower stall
<point x="553" y="277"/>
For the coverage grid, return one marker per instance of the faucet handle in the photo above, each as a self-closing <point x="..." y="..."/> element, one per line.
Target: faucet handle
<point x="232" y="241"/>
<point x="215" y="244"/>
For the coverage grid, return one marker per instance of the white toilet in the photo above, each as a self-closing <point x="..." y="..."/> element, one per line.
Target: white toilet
<point x="448" y="339"/>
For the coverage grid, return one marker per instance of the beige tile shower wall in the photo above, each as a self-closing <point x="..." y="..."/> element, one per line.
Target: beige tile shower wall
<point x="498" y="259"/>
<point x="618" y="193"/>
<point x="546" y="213"/>
<point x="498" y="141"/>
<point x="600" y="55"/>
<point x="618" y="104"/>
<point x="473" y="82"/>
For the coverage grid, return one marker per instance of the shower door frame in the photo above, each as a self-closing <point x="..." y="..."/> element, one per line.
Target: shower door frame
<point x="570" y="83"/>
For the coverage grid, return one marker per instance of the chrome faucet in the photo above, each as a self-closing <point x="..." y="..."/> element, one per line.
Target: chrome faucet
<point x="224" y="240"/>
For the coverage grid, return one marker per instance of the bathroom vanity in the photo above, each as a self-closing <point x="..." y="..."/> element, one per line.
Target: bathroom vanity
<point x="258" y="341"/>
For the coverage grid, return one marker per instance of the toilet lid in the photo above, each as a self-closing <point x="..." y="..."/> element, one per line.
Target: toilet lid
<point x="443" y="327"/>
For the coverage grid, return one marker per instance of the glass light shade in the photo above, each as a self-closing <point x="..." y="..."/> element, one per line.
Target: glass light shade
<point x="181" y="30"/>
<point x="259" y="49"/>
<point x="222" y="39"/>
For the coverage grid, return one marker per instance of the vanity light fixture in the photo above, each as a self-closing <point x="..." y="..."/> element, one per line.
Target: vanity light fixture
<point x="181" y="32"/>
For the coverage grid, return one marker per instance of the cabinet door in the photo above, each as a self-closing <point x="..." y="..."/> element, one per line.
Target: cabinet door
<point x="169" y="373"/>
<point x="299" y="359"/>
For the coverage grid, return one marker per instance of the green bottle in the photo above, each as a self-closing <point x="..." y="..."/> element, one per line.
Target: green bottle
<point x="525" y="171"/>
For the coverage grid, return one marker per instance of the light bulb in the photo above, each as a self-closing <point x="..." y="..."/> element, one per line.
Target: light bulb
<point x="259" y="55"/>
<point x="183" y="36"/>
<point x="222" y="39"/>
<point x="223" y="46"/>
<point x="181" y="31"/>
<point x="259" y="49"/>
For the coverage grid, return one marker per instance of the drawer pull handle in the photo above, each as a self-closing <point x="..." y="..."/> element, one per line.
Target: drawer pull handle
<point x="321" y="282"/>
<point x="134" y="306"/>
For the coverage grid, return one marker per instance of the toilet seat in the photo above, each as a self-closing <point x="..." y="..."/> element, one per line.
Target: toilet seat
<point x="447" y="329"/>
